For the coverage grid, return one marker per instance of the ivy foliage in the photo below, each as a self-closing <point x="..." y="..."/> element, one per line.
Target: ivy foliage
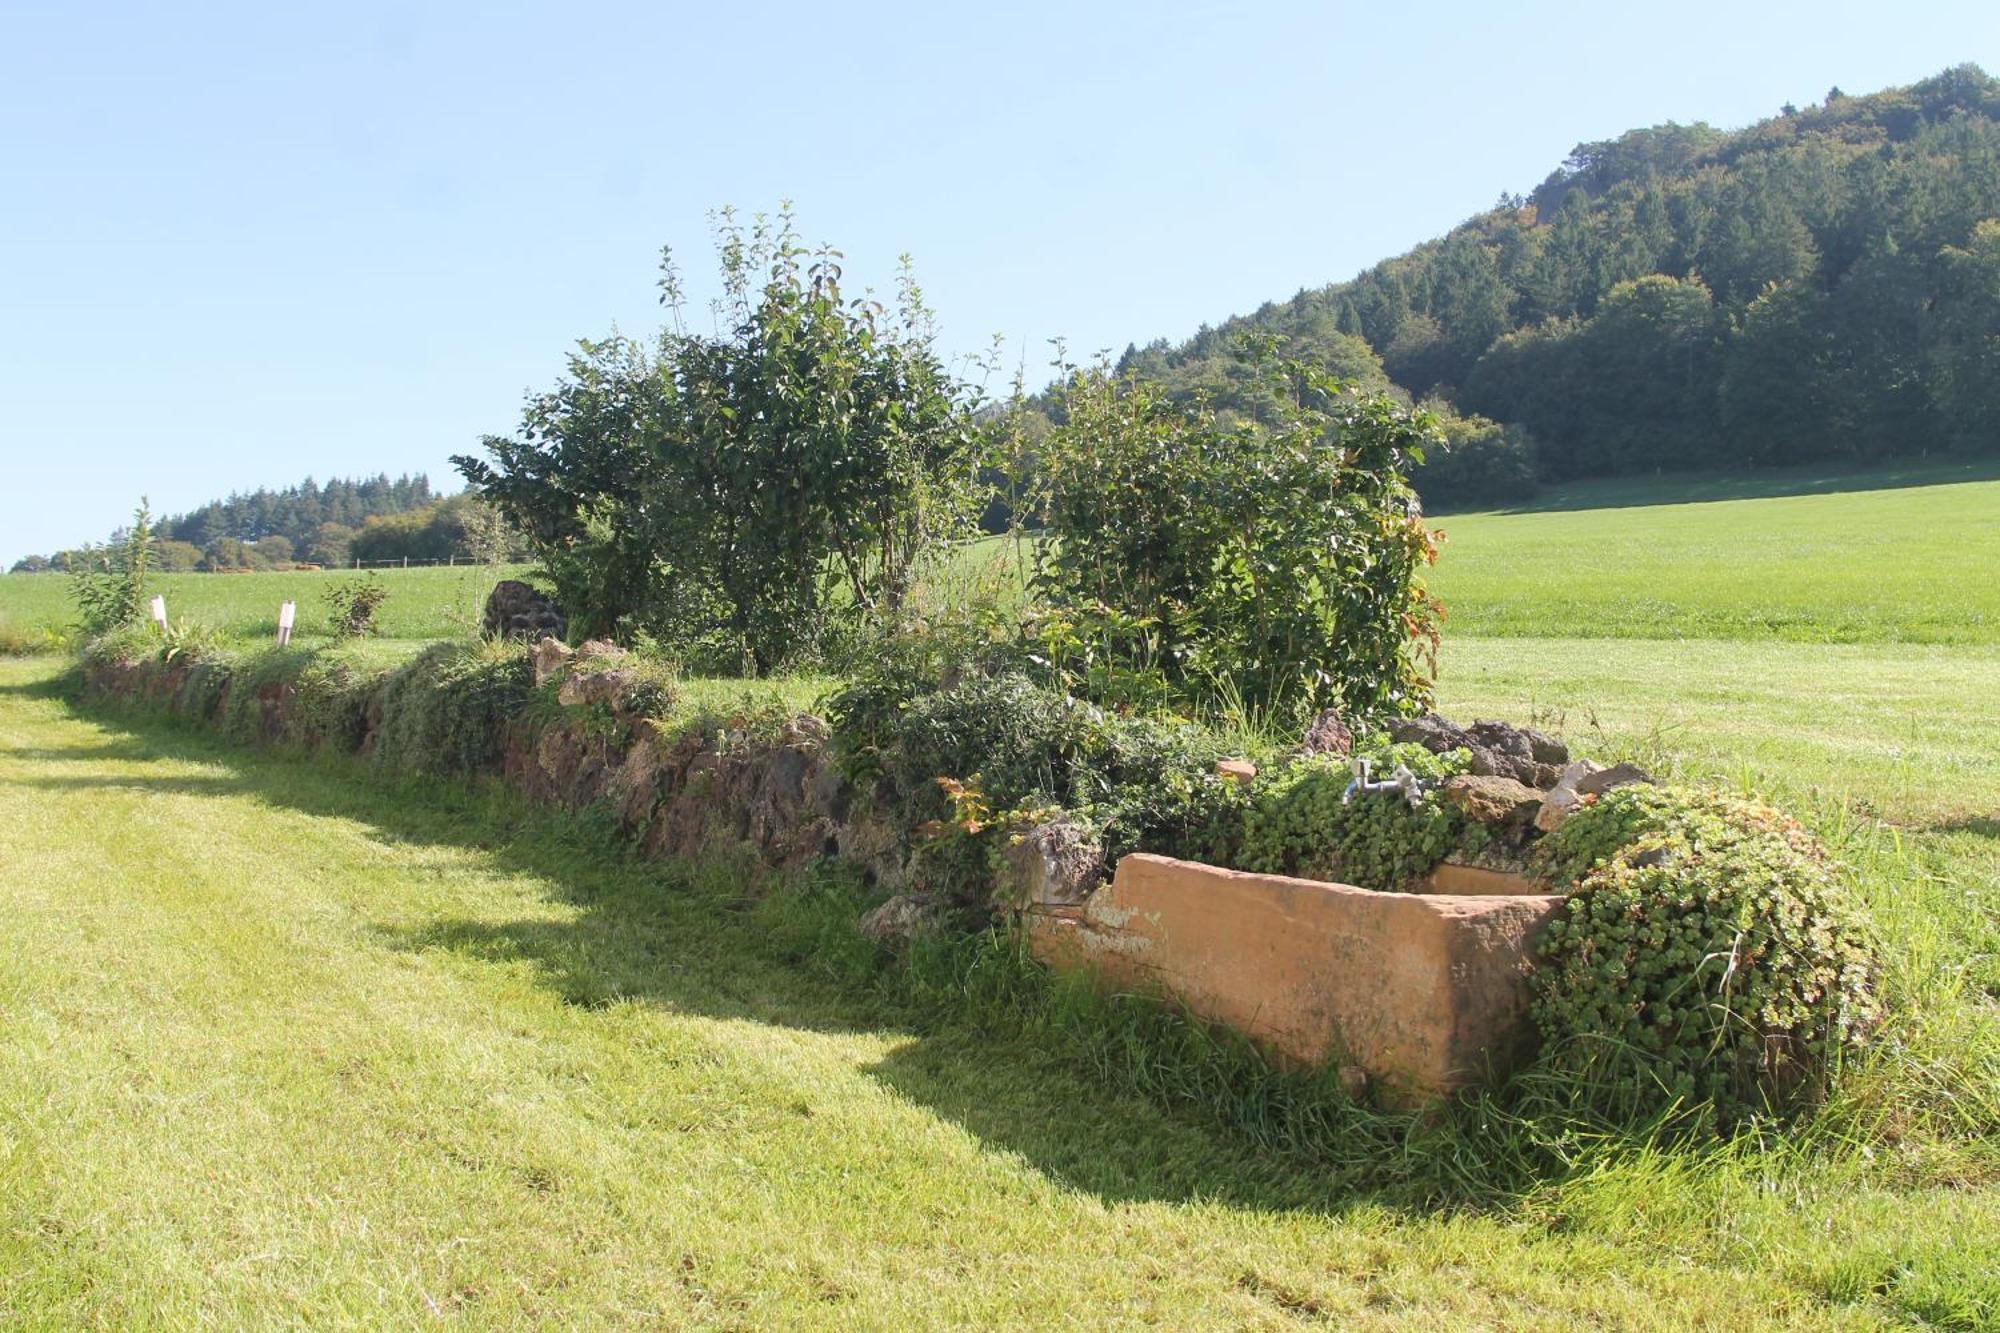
<point x="1706" y="953"/>
<point x="1297" y="823"/>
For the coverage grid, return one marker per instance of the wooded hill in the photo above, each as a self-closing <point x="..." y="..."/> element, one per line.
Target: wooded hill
<point x="1823" y="285"/>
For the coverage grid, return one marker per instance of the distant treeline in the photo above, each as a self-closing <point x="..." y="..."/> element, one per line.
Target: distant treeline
<point x="370" y="519"/>
<point x="1823" y="285"/>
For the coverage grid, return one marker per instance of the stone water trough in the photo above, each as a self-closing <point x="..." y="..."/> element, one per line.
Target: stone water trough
<point x="1417" y="995"/>
<point x="1412" y="995"/>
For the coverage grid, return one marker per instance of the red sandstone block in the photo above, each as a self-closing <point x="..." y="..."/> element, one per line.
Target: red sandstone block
<point x="1426" y="992"/>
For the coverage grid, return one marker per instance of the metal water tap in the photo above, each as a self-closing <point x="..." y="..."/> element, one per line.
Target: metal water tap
<point x="1402" y="780"/>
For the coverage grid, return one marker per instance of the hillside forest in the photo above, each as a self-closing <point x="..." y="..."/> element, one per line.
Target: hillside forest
<point x="373" y="520"/>
<point x="1820" y="286"/>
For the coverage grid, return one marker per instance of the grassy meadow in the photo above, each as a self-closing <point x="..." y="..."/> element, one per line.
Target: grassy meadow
<point x="434" y="602"/>
<point x="283" y="1042"/>
<point x="1894" y="565"/>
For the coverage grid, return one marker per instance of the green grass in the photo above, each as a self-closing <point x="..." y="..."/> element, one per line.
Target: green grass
<point x="281" y="1043"/>
<point x="1908" y="732"/>
<point x="1893" y="565"/>
<point x="1805" y="556"/>
<point x="438" y="602"/>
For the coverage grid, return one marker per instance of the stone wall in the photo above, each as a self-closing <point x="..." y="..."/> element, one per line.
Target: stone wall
<point x="1416" y="995"/>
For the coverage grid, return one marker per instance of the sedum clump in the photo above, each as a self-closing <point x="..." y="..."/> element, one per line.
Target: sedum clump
<point x="1707" y="948"/>
<point x="1298" y="825"/>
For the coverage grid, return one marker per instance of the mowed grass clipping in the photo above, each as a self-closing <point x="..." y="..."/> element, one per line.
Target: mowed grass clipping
<point x="282" y="1043"/>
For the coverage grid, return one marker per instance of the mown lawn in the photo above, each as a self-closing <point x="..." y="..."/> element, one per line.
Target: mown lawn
<point x="1905" y="564"/>
<point x="281" y="1043"/>
<point x="438" y="602"/>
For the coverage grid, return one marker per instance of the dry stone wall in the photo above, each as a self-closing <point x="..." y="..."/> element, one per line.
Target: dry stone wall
<point x="1414" y="995"/>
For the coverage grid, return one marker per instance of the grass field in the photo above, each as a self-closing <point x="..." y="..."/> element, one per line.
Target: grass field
<point x="282" y="1043"/>
<point x="1824" y="558"/>
<point x="279" y="1043"/>
<point x="427" y="603"/>
<point x="1893" y="565"/>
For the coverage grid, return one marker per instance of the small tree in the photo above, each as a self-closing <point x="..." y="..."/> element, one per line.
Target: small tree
<point x="353" y="603"/>
<point x="487" y="536"/>
<point x="1274" y="561"/>
<point x="108" y="583"/>
<point x="745" y="489"/>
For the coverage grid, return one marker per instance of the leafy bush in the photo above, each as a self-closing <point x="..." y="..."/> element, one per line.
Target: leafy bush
<point x="1706" y="953"/>
<point x="108" y="584"/>
<point x="1482" y="462"/>
<point x="1015" y="747"/>
<point x="352" y="605"/>
<point x="448" y="710"/>
<point x="1298" y="825"/>
<point x="1188" y="548"/>
<point x="744" y="490"/>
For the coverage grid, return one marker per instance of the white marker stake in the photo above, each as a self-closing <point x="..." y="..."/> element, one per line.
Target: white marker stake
<point x="160" y="613"/>
<point x="286" y="613"/>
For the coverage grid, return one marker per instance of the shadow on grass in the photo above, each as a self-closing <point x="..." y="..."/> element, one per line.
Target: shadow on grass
<point x="687" y="937"/>
<point x="43" y="685"/>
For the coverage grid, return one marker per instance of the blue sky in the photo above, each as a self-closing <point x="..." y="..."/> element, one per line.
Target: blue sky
<point x="244" y="244"/>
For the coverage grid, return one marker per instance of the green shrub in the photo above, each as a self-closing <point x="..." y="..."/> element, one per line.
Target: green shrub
<point x="1298" y="825"/>
<point x="1019" y="748"/>
<point x="1187" y="547"/>
<point x="108" y="583"/>
<point x="448" y="710"/>
<point x="747" y="489"/>
<point x="1707" y="953"/>
<point x="352" y="604"/>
